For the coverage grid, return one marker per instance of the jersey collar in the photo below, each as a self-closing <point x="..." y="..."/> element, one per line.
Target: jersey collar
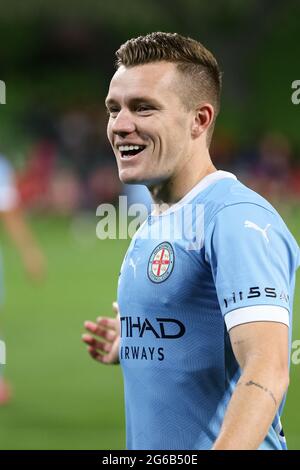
<point x="201" y="186"/>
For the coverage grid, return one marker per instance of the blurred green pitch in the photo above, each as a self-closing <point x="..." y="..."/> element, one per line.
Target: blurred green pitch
<point x="63" y="399"/>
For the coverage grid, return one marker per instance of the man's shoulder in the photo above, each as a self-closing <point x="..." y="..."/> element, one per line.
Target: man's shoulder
<point x="239" y="193"/>
<point x="232" y="206"/>
<point x="232" y="193"/>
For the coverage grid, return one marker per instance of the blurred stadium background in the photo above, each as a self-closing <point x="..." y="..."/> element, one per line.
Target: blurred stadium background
<point x="56" y="59"/>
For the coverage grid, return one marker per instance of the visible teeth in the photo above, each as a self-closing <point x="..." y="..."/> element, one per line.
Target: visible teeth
<point x="126" y="148"/>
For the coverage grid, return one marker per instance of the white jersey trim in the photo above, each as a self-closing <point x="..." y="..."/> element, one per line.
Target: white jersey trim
<point x="256" y="313"/>
<point x="203" y="184"/>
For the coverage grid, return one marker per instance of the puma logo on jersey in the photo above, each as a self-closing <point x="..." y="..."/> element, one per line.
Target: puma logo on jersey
<point x="250" y="224"/>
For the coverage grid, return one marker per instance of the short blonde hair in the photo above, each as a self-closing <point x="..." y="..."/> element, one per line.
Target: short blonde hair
<point x="198" y="66"/>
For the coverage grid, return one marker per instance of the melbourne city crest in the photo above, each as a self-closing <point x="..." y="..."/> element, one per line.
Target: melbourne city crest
<point x="161" y="262"/>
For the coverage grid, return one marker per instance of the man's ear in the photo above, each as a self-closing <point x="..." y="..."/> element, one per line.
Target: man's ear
<point x="203" y="117"/>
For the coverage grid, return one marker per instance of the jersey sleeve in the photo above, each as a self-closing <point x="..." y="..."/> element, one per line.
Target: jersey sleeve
<point x="253" y="259"/>
<point x="9" y="196"/>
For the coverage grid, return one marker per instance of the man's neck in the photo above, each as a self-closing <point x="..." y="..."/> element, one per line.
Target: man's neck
<point x="169" y="192"/>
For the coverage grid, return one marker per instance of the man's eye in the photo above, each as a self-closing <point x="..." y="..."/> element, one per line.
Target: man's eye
<point x="112" y="112"/>
<point x="143" y="108"/>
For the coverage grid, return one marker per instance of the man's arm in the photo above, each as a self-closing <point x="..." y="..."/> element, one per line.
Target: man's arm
<point x="261" y="349"/>
<point x="20" y="233"/>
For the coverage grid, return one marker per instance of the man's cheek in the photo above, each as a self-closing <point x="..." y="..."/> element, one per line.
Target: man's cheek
<point x="109" y="133"/>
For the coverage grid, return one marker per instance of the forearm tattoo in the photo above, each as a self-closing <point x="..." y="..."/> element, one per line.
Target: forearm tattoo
<point x="265" y="389"/>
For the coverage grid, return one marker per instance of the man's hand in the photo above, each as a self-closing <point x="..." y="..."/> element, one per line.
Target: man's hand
<point x="104" y="345"/>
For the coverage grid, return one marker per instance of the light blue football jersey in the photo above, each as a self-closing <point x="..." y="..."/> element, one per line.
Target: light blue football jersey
<point x="220" y="257"/>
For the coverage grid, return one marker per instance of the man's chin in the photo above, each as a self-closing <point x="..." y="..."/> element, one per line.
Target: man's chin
<point x="127" y="178"/>
<point x="130" y="180"/>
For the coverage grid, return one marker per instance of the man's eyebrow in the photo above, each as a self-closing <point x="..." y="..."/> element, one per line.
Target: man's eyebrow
<point x="133" y="101"/>
<point x="109" y="101"/>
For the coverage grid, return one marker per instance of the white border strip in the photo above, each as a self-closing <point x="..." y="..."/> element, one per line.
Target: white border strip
<point x="257" y="313"/>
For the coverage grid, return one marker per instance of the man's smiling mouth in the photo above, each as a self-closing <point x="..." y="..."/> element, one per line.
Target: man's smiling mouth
<point x="128" y="151"/>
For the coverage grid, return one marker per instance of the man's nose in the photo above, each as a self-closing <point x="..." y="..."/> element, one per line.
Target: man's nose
<point x="123" y="123"/>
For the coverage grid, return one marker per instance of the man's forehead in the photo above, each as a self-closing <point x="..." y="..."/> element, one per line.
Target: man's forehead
<point x="146" y="79"/>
